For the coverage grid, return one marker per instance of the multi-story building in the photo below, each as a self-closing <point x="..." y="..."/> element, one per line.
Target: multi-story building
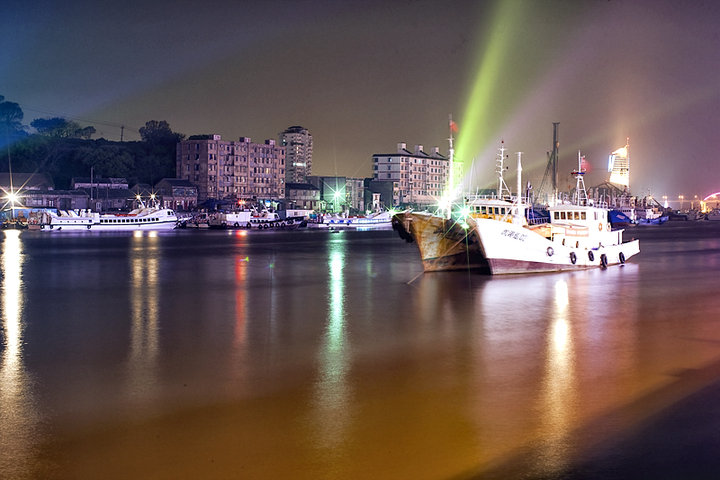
<point x="177" y="194"/>
<point x="355" y="194"/>
<point x="298" y="145"/>
<point x="302" y="196"/>
<point x="235" y="170"/>
<point x="418" y="177"/>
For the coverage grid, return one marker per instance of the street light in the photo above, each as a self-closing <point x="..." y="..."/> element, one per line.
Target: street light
<point x="682" y="199"/>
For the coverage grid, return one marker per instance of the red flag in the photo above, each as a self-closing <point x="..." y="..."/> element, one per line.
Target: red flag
<point x="584" y="164"/>
<point x="453" y="126"/>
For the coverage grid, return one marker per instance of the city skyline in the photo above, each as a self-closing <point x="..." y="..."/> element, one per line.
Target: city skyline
<point x="362" y="77"/>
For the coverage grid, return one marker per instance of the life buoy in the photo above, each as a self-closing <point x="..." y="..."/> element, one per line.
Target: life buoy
<point x="550" y="251"/>
<point x="599" y="227"/>
<point x="573" y="258"/>
<point x="603" y="260"/>
<point x="591" y="256"/>
<point x="622" y="257"/>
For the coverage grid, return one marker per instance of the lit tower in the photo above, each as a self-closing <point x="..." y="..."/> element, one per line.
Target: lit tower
<point x="619" y="165"/>
<point x="298" y="145"/>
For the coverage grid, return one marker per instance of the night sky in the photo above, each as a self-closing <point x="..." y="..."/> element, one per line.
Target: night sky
<point x="363" y="76"/>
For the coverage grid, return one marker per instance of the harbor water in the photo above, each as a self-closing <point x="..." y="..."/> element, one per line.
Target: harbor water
<point x="325" y="355"/>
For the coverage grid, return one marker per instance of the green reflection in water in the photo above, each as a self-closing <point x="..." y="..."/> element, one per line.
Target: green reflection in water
<point x="332" y="391"/>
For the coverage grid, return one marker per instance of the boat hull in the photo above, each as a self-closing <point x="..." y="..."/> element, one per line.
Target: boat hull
<point x="444" y="244"/>
<point x="79" y="227"/>
<point x="511" y="249"/>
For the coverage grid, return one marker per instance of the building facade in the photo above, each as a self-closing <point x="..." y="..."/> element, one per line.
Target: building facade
<point x="240" y="170"/>
<point x="355" y="195"/>
<point x="177" y="194"/>
<point x="420" y="177"/>
<point x="302" y="196"/>
<point x="298" y="144"/>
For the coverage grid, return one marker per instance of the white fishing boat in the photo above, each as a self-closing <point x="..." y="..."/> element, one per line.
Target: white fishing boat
<point x="578" y="236"/>
<point x="142" y="218"/>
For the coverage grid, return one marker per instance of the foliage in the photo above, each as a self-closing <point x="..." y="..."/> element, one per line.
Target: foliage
<point x="11" y="127"/>
<point x="61" y="128"/>
<point x="159" y="133"/>
<point x="64" y="150"/>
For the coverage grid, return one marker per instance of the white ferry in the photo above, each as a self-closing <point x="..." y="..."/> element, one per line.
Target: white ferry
<point x="374" y="221"/>
<point x="142" y="218"/>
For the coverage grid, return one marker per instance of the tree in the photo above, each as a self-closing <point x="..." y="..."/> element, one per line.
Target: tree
<point x="159" y="133"/>
<point x="61" y="128"/>
<point x="11" y="116"/>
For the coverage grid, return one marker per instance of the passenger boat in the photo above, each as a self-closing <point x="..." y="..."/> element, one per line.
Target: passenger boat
<point x="374" y="221"/>
<point x="142" y="218"/>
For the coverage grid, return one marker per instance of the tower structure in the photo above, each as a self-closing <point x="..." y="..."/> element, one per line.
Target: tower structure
<point x="298" y="143"/>
<point x="619" y="165"/>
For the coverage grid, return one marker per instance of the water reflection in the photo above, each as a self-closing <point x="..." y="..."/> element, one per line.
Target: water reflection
<point x="332" y="390"/>
<point x="18" y="419"/>
<point x="559" y="381"/>
<point x="144" y="300"/>
<point x="240" y="334"/>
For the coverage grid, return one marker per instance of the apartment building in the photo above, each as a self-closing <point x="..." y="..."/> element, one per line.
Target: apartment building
<point x="298" y="144"/>
<point x="418" y="177"/>
<point x="240" y="169"/>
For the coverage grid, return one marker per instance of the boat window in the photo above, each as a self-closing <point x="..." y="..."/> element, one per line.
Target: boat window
<point x="582" y="216"/>
<point x="562" y="216"/>
<point x="596" y="216"/>
<point x="557" y="215"/>
<point x="497" y="210"/>
<point x="576" y="215"/>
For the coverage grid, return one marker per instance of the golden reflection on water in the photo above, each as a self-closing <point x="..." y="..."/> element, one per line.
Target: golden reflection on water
<point x="17" y="415"/>
<point x="332" y="394"/>
<point x="144" y="300"/>
<point x="240" y="337"/>
<point x="559" y="384"/>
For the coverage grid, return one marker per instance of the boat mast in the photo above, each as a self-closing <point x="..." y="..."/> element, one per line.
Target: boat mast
<point x="519" y="177"/>
<point x="556" y="147"/>
<point x="449" y="183"/>
<point x="499" y="169"/>
<point x="581" y="197"/>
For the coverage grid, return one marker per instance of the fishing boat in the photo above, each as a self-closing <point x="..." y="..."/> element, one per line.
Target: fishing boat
<point x="578" y="235"/>
<point x="444" y="238"/>
<point x="224" y="220"/>
<point x="144" y="217"/>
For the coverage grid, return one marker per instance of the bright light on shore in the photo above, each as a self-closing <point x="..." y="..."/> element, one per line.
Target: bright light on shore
<point x="12" y="198"/>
